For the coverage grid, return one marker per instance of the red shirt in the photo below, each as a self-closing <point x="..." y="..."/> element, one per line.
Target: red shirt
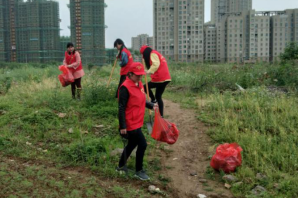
<point x="135" y="107"/>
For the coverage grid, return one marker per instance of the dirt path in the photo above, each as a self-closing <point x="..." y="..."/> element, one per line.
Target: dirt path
<point x="189" y="156"/>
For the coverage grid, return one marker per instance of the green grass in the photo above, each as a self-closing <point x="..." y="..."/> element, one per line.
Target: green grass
<point x="30" y="104"/>
<point x="262" y="119"/>
<point x="265" y="125"/>
<point x="212" y="78"/>
<point x="27" y="180"/>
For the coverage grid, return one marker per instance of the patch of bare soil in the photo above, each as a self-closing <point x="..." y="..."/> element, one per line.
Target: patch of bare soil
<point x="76" y="176"/>
<point x="187" y="163"/>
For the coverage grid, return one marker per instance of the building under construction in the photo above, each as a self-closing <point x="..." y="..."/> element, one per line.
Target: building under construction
<point x="64" y="40"/>
<point x="2" y="33"/>
<point x="8" y="30"/>
<point x="38" y="31"/>
<point x="30" y="31"/>
<point x="88" y="29"/>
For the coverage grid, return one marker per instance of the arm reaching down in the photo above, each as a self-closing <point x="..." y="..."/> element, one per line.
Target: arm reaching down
<point x="123" y="99"/>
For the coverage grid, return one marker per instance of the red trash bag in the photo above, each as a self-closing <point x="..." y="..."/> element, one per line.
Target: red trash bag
<point x="227" y="157"/>
<point x="66" y="78"/>
<point x="164" y="130"/>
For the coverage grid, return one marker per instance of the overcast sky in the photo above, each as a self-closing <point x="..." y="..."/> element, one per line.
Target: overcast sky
<point x="128" y="18"/>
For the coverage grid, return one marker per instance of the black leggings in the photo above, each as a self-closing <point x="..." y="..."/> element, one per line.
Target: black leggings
<point x="160" y="88"/>
<point x="135" y="138"/>
<point x="74" y="85"/>
<point x="122" y="79"/>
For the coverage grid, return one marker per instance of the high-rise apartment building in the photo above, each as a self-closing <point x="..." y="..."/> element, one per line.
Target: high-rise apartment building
<point x="257" y="36"/>
<point x="178" y="29"/>
<point x="284" y="29"/>
<point x="151" y="41"/>
<point x="2" y="32"/>
<point x="8" y="17"/>
<point x="228" y="44"/>
<point x="250" y="36"/>
<point x="142" y="39"/>
<point x="243" y="34"/>
<point x="165" y="15"/>
<point x="221" y="7"/>
<point x="64" y="40"/>
<point x="135" y="43"/>
<point x="38" y="31"/>
<point x="234" y="38"/>
<point x="210" y="43"/>
<point x="247" y="37"/>
<point x="88" y="29"/>
<point x="29" y="31"/>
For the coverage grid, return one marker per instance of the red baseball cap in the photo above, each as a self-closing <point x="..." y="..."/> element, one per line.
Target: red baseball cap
<point x="137" y="68"/>
<point x="142" y="49"/>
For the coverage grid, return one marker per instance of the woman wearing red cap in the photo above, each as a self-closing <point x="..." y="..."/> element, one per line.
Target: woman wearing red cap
<point x="73" y="61"/>
<point x="160" y="76"/>
<point x="125" y="58"/>
<point x="132" y="103"/>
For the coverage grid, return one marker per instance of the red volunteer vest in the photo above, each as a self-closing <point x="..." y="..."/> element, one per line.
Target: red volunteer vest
<point x="162" y="72"/>
<point x="135" y="108"/>
<point x="124" y="70"/>
<point x="70" y="59"/>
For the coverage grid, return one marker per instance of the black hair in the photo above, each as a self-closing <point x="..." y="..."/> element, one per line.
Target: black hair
<point x="70" y="45"/>
<point x="119" y="42"/>
<point x="146" y="56"/>
<point x="129" y="74"/>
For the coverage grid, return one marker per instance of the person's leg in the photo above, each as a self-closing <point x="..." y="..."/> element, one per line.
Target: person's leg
<point x="132" y="143"/>
<point x="151" y="85"/>
<point x="158" y="94"/>
<point x="142" y="145"/>
<point x="79" y="87"/>
<point x="122" y="79"/>
<point x="73" y="90"/>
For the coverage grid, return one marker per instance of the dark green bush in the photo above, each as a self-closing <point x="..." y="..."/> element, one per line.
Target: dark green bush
<point x="96" y="94"/>
<point x="291" y="52"/>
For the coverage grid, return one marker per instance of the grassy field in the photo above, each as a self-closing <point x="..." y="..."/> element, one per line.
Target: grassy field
<point x="262" y="119"/>
<point x="55" y="146"/>
<point x="41" y="124"/>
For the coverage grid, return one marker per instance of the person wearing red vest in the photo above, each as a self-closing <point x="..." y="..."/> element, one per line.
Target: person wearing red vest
<point x="132" y="103"/>
<point x="160" y="76"/>
<point x="73" y="61"/>
<point x="126" y="60"/>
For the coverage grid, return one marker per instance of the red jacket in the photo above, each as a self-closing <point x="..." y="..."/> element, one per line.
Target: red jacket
<point x="162" y="72"/>
<point x="124" y="70"/>
<point x="135" y="108"/>
<point x="71" y="58"/>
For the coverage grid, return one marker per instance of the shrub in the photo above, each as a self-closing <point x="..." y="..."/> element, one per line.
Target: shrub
<point x="291" y="52"/>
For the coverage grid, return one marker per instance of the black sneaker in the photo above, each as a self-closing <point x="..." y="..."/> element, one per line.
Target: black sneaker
<point x="122" y="170"/>
<point x="154" y="101"/>
<point x="142" y="175"/>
